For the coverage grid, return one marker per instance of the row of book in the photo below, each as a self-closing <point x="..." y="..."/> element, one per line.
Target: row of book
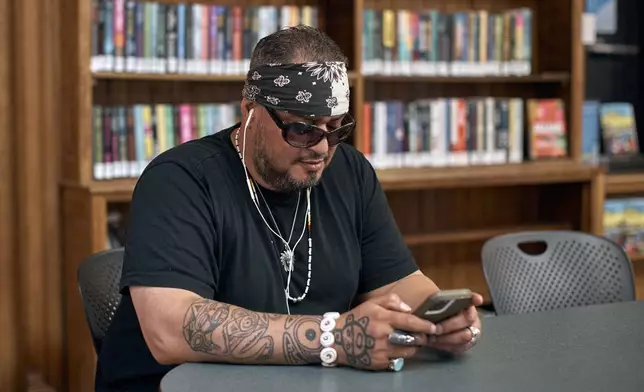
<point x="157" y="37"/>
<point x="462" y="131"/>
<point x="624" y="223"/>
<point x="435" y="43"/>
<point x="126" y="138"/>
<point x="433" y="132"/>
<point x="608" y="129"/>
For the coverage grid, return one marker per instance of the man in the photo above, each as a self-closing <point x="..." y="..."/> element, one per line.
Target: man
<point x="271" y="242"/>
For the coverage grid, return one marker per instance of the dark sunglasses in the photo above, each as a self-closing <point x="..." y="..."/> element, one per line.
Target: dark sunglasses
<point x="302" y="135"/>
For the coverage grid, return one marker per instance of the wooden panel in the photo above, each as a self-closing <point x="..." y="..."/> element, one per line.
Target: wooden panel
<point x="29" y="186"/>
<point x="11" y="366"/>
<point x="578" y="78"/>
<point x="453" y="267"/>
<point x="475" y="176"/>
<point x="624" y="184"/>
<point x="446" y="228"/>
<point x="49" y="135"/>
<point x="75" y="91"/>
<point x="85" y="226"/>
<point x="638" y="269"/>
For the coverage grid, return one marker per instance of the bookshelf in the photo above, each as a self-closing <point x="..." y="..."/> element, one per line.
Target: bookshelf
<point x="432" y="205"/>
<point x="624" y="192"/>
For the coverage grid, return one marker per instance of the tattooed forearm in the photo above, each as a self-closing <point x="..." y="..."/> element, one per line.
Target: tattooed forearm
<point x="220" y="329"/>
<point x="233" y="334"/>
<point x="301" y="339"/>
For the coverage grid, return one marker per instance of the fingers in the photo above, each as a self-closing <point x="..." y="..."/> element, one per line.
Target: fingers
<point x="393" y="302"/>
<point x="457" y="338"/>
<point x="477" y="299"/>
<point x="403" y="338"/>
<point x="410" y="323"/>
<point x="402" y="351"/>
<point x="462" y="320"/>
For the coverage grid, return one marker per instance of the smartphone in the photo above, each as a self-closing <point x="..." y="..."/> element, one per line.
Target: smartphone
<point x="444" y="304"/>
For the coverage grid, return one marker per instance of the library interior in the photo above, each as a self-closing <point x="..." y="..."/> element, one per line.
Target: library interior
<point x="500" y="111"/>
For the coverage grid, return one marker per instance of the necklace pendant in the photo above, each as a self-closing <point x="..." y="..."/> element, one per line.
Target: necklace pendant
<point x="287" y="258"/>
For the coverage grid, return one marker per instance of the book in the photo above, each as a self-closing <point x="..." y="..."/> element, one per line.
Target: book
<point x="547" y="131"/>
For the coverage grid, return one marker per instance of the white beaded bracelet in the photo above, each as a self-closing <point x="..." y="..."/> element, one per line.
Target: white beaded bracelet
<point x="328" y="355"/>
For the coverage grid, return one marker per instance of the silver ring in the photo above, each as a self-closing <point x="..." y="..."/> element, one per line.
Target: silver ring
<point x="396" y="364"/>
<point x="402" y="338"/>
<point x="475" y="334"/>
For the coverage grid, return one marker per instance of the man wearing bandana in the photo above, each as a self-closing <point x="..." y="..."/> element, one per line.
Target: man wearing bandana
<point x="271" y="242"/>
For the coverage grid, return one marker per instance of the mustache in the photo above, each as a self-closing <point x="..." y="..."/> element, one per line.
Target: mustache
<point x="314" y="157"/>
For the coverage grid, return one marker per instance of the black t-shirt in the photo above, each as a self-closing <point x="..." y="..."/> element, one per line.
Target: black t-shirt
<point x="194" y="226"/>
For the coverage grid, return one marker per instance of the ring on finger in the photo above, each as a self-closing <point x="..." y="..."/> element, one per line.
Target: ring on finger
<point x="402" y="338"/>
<point x="475" y="334"/>
<point x="396" y="364"/>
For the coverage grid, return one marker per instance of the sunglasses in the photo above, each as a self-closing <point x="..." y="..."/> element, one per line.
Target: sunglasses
<point x="302" y="135"/>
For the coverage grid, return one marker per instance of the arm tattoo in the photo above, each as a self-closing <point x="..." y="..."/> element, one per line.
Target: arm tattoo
<point x="355" y="341"/>
<point x="301" y="340"/>
<point x="243" y="332"/>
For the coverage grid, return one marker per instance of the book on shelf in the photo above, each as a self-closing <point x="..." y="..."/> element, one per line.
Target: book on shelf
<point x="185" y="38"/>
<point x="126" y="138"/>
<point x="619" y="133"/>
<point x="430" y="42"/>
<point x="624" y="223"/>
<point x="548" y="135"/>
<point x="590" y="139"/>
<point x="439" y="132"/>
<point x="610" y="129"/>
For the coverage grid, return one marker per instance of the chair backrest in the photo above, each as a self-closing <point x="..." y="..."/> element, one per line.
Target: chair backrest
<point x="576" y="269"/>
<point x="98" y="283"/>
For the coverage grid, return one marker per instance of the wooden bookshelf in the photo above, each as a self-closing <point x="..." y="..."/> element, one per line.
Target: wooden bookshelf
<point x="625" y="186"/>
<point x="445" y="213"/>
<point x="550" y="77"/>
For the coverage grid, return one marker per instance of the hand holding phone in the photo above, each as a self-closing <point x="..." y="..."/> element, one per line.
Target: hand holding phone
<point x="444" y="304"/>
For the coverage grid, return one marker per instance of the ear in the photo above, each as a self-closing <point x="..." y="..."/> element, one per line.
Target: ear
<point x="246" y="107"/>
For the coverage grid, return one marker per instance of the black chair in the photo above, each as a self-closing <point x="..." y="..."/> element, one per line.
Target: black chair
<point x="575" y="269"/>
<point x="98" y="283"/>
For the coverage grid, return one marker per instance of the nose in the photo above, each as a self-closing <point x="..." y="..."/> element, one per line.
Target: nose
<point x="322" y="148"/>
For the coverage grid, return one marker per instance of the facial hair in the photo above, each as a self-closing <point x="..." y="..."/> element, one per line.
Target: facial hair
<point x="281" y="180"/>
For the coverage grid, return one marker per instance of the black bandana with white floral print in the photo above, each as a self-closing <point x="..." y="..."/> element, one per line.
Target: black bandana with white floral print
<point x="305" y="89"/>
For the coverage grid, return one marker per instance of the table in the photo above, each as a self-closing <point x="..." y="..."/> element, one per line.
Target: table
<point x="592" y="349"/>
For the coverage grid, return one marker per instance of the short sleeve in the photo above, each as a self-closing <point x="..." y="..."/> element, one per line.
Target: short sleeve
<point x="171" y="234"/>
<point x="385" y="256"/>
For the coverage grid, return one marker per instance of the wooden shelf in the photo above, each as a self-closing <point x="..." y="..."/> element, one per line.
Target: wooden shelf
<point x="477" y="234"/>
<point x="120" y="190"/>
<point x="550" y="77"/>
<point x="624" y="183"/>
<point x="172" y="77"/>
<point x="636" y="257"/>
<point x="550" y="172"/>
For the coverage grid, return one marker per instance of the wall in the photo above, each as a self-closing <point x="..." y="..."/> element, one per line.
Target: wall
<point x="30" y="263"/>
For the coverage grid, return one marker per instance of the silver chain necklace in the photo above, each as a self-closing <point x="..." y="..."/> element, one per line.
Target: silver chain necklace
<point x="287" y="257"/>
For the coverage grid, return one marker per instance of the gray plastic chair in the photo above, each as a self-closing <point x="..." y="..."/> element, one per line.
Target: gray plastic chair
<point x="576" y="269"/>
<point x="98" y="283"/>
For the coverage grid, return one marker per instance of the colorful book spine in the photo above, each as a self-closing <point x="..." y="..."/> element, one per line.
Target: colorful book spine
<point x="194" y="38"/>
<point x="126" y="138"/>
<point x="440" y="132"/>
<point x="430" y="42"/>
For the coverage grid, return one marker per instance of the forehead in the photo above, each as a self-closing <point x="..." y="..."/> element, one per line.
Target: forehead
<point x="296" y="117"/>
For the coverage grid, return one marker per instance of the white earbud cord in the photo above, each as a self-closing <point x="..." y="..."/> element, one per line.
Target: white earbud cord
<point x="255" y="200"/>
